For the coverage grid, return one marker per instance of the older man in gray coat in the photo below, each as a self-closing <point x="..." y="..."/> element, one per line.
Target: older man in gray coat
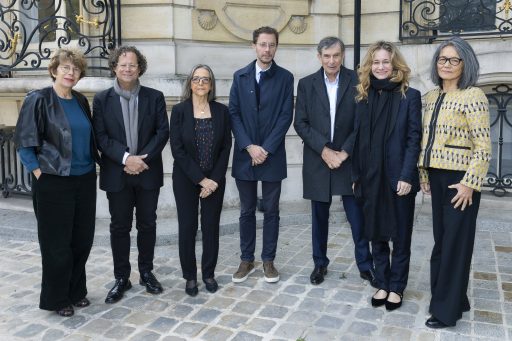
<point x="324" y="119"/>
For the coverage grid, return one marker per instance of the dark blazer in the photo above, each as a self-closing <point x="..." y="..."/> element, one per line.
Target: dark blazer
<point x="42" y="124"/>
<point x="263" y="124"/>
<point x="111" y="137"/>
<point x="403" y="142"/>
<point x="313" y="125"/>
<point x="183" y="142"/>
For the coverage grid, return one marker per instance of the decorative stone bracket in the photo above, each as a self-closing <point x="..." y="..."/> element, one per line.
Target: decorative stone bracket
<point x="242" y="17"/>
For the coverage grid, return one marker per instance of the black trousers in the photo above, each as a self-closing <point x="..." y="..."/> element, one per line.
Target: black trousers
<point x="65" y="209"/>
<point x="248" y="192"/>
<point x="121" y="205"/>
<point x="392" y="274"/>
<point x="454" y="237"/>
<point x="186" y="194"/>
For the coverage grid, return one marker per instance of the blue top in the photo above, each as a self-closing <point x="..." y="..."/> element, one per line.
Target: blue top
<point x="81" y="158"/>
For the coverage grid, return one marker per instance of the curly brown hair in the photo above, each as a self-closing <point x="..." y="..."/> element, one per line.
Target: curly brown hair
<point x="67" y="54"/>
<point x="121" y="50"/>
<point x="400" y="74"/>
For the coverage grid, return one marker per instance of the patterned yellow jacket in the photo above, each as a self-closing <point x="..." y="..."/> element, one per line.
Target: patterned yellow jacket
<point x="460" y="136"/>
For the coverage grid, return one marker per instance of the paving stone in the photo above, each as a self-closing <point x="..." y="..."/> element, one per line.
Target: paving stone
<point x="136" y="301"/>
<point x="362" y="328"/>
<point x="189" y="329"/>
<point x="318" y="334"/>
<point x="181" y="310"/>
<point x="145" y="336"/>
<point x="139" y="318"/>
<point x="294" y="289"/>
<point x="119" y="332"/>
<point x="290" y="331"/>
<point x="317" y="293"/>
<point x="259" y="296"/>
<point x="487" y="316"/>
<point x="233" y="321"/>
<point x="260" y="325"/>
<point x="244" y="336"/>
<point x="163" y="324"/>
<point x="206" y="315"/>
<point x="486" y="294"/>
<point x="312" y="305"/>
<point x="273" y="311"/>
<point x="74" y="321"/>
<point x="31" y="330"/>
<point x="216" y="334"/>
<point x="489" y="330"/>
<point x="220" y="302"/>
<point x="246" y="308"/>
<point x="348" y="296"/>
<point x="173" y="338"/>
<point x="285" y="300"/>
<point x="116" y="313"/>
<point x="369" y="314"/>
<point x="302" y="317"/>
<point x="399" y="320"/>
<point x="395" y="333"/>
<point x="156" y="305"/>
<point x="53" y="334"/>
<point x="97" y="326"/>
<point x="329" y="322"/>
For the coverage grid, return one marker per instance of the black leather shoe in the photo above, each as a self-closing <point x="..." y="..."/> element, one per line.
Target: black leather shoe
<point x="394" y="305"/>
<point x="117" y="291"/>
<point x="369" y="275"/>
<point x="377" y="302"/>
<point x="153" y="286"/>
<point x="66" y="311"/>
<point x="211" y="284"/>
<point x="84" y="302"/>
<point x="317" y="276"/>
<point x="434" y="323"/>
<point x="191" y="288"/>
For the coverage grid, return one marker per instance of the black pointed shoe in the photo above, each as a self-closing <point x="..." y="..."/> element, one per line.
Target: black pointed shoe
<point x="369" y="275"/>
<point x="394" y="305"/>
<point x="211" y="284"/>
<point x="149" y="280"/>
<point x="377" y="302"/>
<point x="318" y="274"/>
<point x="117" y="291"/>
<point x="434" y="323"/>
<point x="191" y="288"/>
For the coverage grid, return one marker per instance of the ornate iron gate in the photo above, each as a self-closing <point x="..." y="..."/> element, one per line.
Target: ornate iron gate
<point x="31" y="29"/>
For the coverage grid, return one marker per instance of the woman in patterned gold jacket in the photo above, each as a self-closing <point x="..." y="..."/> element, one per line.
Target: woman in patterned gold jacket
<point x="454" y="158"/>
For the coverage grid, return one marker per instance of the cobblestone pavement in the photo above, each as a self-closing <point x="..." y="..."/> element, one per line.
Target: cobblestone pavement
<point x="338" y="309"/>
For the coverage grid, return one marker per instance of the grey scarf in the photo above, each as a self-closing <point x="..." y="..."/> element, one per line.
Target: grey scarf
<point x="129" y="101"/>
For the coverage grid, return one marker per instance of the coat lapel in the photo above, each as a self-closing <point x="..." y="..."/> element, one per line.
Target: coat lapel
<point x="321" y="90"/>
<point x="114" y="108"/>
<point x="342" y="85"/>
<point x="142" y="107"/>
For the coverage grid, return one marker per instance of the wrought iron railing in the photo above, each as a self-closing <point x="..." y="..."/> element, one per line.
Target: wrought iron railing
<point x="14" y="177"/>
<point x="31" y="29"/>
<point x="499" y="177"/>
<point x="427" y="20"/>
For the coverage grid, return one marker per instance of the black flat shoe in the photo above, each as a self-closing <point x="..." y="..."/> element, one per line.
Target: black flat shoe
<point x="66" y="311"/>
<point x="369" y="275"/>
<point x="149" y="280"/>
<point x="394" y="305"/>
<point x="377" y="302"/>
<point x="318" y="274"/>
<point x="434" y="323"/>
<point x="84" y="302"/>
<point x="191" y="288"/>
<point x="211" y="284"/>
<point x="117" y="291"/>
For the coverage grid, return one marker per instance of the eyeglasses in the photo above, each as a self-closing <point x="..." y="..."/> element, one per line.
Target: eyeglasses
<point x="203" y="80"/>
<point x="67" y="68"/>
<point x="453" y="60"/>
<point x="128" y="66"/>
<point x="269" y="45"/>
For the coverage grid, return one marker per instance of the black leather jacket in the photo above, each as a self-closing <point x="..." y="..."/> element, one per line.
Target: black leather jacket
<point x="42" y="123"/>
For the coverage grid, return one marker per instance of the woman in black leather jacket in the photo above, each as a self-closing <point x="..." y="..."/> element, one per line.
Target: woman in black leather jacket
<point x="56" y="144"/>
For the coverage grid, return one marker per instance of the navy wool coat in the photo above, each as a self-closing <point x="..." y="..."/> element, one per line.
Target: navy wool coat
<point x="264" y="124"/>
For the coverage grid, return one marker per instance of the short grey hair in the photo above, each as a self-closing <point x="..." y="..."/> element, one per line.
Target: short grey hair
<point x="327" y="42"/>
<point x="187" y="89"/>
<point x="470" y="65"/>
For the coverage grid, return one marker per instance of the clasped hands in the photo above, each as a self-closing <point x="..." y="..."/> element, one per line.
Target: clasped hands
<point x="135" y="164"/>
<point x="333" y="158"/>
<point x="208" y="187"/>
<point x="257" y="153"/>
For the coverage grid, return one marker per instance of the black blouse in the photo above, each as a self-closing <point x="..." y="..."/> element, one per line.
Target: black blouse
<point x="204" y="142"/>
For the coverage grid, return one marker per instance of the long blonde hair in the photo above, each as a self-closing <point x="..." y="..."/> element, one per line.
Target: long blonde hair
<point x="400" y="73"/>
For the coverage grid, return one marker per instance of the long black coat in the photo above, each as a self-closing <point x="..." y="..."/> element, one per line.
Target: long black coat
<point x="313" y="124"/>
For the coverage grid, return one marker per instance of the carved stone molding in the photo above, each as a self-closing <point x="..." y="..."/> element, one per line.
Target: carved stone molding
<point x="242" y="17"/>
<point x="297" y="24"/>
<point x="207" y="20"/>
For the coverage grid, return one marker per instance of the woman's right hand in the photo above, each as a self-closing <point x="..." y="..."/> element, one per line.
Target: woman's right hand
<point x="209" y="186"/>
<point x="37" y="173"/>
<point x="425" y="187"/>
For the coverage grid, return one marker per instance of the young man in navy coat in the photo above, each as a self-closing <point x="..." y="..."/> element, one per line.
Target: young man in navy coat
<point x="261" y="110"/>
<point x="324" y="119"/>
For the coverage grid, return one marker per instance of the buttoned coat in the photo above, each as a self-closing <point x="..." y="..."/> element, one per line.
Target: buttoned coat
<point x="264" y="123"/>
<point x="313" y="125"/>
<point x="153" y="130"/>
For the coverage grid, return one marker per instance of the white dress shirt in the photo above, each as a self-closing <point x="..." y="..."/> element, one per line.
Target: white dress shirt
<point x="259" y="70"/>
<point x="332" y="92"/>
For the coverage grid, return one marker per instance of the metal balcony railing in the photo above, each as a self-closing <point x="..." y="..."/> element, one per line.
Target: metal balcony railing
<point x="30" y="30"/>
<point x="427" y="20"/>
